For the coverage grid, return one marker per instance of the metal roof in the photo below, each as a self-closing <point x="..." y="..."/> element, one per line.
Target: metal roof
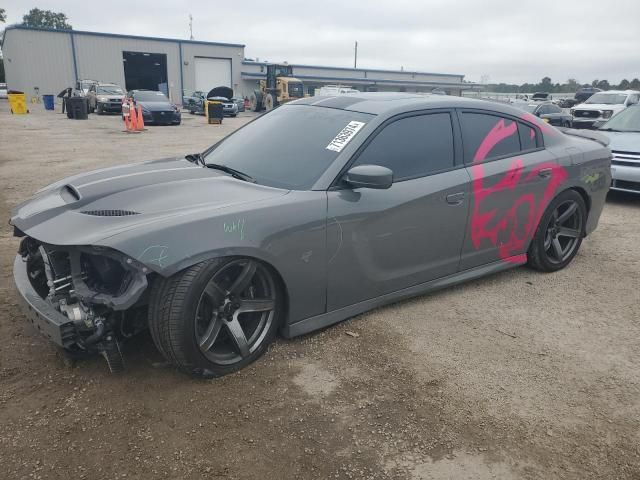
<point x="406" y="72"/>
<point x="371" y="81"/>
<point x="118" y="35"/>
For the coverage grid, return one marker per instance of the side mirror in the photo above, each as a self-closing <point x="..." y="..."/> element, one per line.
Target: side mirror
<point x="369" y="176"/>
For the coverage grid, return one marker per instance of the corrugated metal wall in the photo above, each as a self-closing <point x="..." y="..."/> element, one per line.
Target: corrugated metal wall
<point x="45" y="59"/>
<point x="192" y="50"/>
<point x="100" y="58"/>
<point x="38" y="59"/>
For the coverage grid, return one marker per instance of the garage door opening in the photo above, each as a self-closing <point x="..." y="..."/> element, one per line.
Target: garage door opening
<point x="212" y="72"/>
<point x="145" y="71"/>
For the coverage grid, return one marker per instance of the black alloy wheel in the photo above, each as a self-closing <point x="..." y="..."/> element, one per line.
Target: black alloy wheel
<point x="559" y="233"/>
<point x="217" y="316"/>
<point x="235" y="312"/>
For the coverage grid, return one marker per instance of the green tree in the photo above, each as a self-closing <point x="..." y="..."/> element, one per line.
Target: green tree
<point x="595" y="83"/>
<point x="603" y="85"/>
<point x="3" y="15"/>
<point x="546" y="85"/>
<point x="624" y="84"/>
<point x="635" y="84"/>
<point x="46" y="19"/>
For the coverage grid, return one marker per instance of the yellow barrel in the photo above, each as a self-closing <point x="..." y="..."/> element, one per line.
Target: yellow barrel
<point x="18" y="103"/>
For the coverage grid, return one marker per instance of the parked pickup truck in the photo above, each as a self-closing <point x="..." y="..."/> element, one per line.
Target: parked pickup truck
<point x="601" y="106"/>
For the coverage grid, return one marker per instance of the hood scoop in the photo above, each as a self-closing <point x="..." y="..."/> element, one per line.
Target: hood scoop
<point x="110" y="213"/>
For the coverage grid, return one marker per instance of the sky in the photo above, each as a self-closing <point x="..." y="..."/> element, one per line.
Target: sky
<point x="494" y="41"/>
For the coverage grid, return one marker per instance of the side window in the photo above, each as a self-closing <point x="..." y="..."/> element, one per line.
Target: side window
<point x="412" y="146"/>
<point x="488" y="136"/>
<point x="554" y="109"/>
<point x="528" y="137"/>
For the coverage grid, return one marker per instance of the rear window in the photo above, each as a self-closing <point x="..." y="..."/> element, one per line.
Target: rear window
<point x="488" y="136"/>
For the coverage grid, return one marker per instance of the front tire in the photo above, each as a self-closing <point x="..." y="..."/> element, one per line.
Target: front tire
<point x="559" y="234"/>
<point x="215" y="317"/>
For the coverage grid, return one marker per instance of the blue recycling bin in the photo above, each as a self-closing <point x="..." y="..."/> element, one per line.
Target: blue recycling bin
<point x="48" y="102"/>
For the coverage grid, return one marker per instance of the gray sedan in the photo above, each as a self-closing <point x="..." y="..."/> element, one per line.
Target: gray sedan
<point x="624" y="132"/>
<point x="317" y="211"/>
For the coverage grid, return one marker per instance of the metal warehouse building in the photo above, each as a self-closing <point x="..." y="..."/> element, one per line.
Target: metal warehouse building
<point x="45" y="61"/>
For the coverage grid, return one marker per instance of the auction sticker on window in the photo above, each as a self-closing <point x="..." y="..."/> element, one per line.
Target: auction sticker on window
<point x="345" y="136"/>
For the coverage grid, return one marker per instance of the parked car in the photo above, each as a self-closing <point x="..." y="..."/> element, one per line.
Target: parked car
<point x="156" y="107"/>
<point x="191" y="97"/>
<point x="541" y="97"/>
<point x="583" y="94"/>
<point x="547" y="111"/>
<point x="105" y="97"/>
<point x="567" y="102"/>
<point x="623" y="131"/>
<point x="602" y="106"/>
<point x="317" y="211"/>
<point x="3" y="90"/>
<point x="223" y="95"/>
<point x="239" y="102"/>
<point x="83" y="86"/>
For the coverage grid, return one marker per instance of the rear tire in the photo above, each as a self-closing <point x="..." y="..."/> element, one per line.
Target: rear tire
<point x="256" y="101"/>
<point x="269" y="102"/>
<point x="559" y="234"/>
<point x="215" y="317"/>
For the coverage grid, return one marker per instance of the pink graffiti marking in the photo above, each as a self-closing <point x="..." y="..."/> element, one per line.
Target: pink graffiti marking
<point x="508" y="222"/>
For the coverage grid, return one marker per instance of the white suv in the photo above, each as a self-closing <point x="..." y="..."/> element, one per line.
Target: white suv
<point x="602" y="106"/>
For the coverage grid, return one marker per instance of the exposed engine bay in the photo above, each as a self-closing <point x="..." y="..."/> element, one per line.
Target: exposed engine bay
<point x="100" y="291"/>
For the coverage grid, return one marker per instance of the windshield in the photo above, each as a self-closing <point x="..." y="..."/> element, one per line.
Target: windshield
<point x="287" y="147"/>
<point x="626" y="121"/>
<point x="150" y="96"/>
<point x="109" y="90"/>
<point x="607" y="98"/>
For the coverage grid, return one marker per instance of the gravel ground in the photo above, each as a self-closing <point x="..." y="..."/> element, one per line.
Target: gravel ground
<point x="516" y="376"/>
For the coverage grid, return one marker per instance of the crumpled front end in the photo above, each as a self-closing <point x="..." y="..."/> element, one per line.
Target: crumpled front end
<point x="85" y="299"/>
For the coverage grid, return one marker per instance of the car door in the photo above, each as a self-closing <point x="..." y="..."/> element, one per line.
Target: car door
<point x="381" y="241"/>
<point x="511" y="173"/>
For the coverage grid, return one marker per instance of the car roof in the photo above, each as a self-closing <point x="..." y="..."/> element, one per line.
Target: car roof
<point x="390" y="103"/>
<point x="620" y="92"/>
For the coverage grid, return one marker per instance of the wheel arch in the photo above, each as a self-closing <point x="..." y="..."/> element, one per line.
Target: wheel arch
<point x="253" y="254"/>
<point x="585" y="196"/>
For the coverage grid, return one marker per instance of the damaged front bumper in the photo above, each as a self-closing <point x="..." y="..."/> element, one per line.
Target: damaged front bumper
<point x="49" y="321"/>
<point x="84" y="299"/>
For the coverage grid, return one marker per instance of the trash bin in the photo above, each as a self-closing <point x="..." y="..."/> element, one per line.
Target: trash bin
<point x="66" y="107"/>
<point x="17" y="102"/>
<point x="78" y="107"/>
<point x="214" y="111"/>
<point x="48" y="102"/>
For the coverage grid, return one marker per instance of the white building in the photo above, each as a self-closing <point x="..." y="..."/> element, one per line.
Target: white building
<point x="46" y="61"/>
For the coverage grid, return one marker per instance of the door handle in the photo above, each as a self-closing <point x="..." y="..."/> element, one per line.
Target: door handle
<point x="545" y="172"/>
<point x="455" y="198"/>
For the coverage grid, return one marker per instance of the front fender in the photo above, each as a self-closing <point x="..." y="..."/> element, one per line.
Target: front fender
<point x="286" y="232"/>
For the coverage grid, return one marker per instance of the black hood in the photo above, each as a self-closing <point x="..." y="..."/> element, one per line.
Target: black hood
<point x="225" y="92"/>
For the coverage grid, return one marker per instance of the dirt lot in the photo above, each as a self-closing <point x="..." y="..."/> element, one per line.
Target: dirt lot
<point x="516" y="376"/>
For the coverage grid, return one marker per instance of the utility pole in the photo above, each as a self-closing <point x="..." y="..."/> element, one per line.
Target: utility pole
<point x="355" y="56"/>
<point x="190" y="27"/>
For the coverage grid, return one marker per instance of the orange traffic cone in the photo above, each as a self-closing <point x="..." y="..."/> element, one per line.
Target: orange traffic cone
<point x="140" y="119"/>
